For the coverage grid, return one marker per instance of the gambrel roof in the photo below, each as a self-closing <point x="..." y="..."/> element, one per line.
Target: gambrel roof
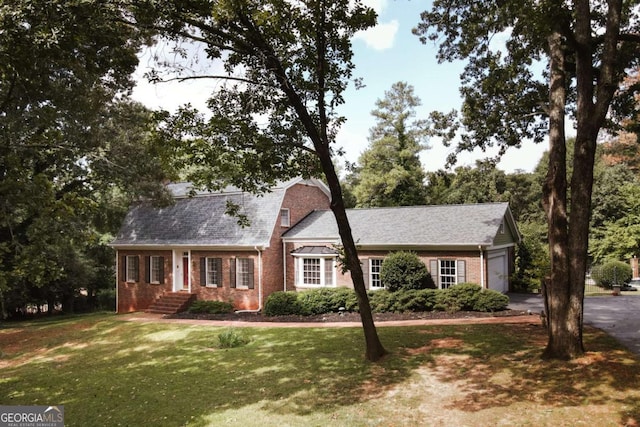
<point x="199" y="219"/>
<point x="442" y="226"/>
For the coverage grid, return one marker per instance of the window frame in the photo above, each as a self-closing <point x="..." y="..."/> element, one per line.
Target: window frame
<point x="373" y="274"/>
<point x="241" y="274"/>
<point x="326" y="270"/>
<point x="211" y="268"/>
<point x="448" y="274"/>
<point x="131" y="268"/>
<point x="285" y="220"/>
<point x="155" y="273"/>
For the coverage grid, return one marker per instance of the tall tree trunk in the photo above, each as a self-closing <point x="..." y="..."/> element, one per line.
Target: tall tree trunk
<point x="562" y="341"/>
<point x="318" y="135"/>
<point x="374" y="348"/>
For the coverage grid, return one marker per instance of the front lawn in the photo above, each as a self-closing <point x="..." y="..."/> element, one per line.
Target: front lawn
<point x="106" y="371"/>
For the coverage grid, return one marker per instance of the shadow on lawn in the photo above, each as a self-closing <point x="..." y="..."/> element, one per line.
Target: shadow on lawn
<point x="606" y="375"/>
<point x="106" y="371"/>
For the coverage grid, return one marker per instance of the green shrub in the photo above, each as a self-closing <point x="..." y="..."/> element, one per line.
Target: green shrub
<point x="490" y="301"/>
<point x="405" y="270"/>
<point x="282" y="304"/>
<point x="465" y="295"/>
<point x="324" y="300"/>
<point x="210" y="307"/>
<point x="415" y="300"/>
<point x="612" y="273"/>
<point x="382" y="301"/>
<point x="446" y="301"/>
<point x="229" y="338"/>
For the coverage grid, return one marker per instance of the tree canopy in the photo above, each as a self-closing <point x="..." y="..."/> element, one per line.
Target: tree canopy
<point x="67" y="137"/>
<point x="389" y="170"/>
<point x="559" y="61"/>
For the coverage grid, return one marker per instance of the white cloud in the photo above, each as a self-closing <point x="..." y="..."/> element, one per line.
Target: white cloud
<point x="377" y="5"/>
<point x="380" y="37"/>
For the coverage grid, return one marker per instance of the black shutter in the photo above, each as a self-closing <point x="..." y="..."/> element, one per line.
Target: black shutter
<point x="232" y="272"/>
<point x="123" y="268"/>
<point x="161" y="270"/>
<point x="147" y="265"/>
<point x="203" y="271"/>
<point x="136" y="264"/>
<point x="433" y="266"/>
<point x="250" y="273"/>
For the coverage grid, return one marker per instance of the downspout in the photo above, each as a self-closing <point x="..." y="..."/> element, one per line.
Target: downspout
<point x="284" y="264"/>
<point x="259" y="309"/>
<point x="482" y="267"/>
<point x="117" y="273"/>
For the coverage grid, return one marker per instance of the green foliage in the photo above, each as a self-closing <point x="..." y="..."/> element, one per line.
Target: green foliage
<point x="106" y="299"/>
<point x="612" y="273"/>
<point x="490" y="301"/>
<point x="532" y="259"/>
<point x="405" y="270"/>
<point x="382" y="301"/>
<point x="282" y="304"/>
<point x="406" y="300"/>
<point x="210" y="307"/>
<point x="470" y="297"/>
<point x="465" y="294"/>
<point x="619" y="236"/>
<point x="325" y="300"/>
<point x="389" y="171"/>
<point x="231" y="338"/>
<point x="75" y="148"/>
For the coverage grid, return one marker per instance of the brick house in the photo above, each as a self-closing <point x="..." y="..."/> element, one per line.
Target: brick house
<point x="458" y="243"/>
<point x="194" y="250"/>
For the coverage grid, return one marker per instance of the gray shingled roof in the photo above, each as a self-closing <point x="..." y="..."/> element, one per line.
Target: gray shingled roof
<point x="445" y="225"/>
<point x="201" y="220"/>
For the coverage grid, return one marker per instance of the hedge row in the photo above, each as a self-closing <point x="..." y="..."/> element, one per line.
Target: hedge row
<point x="461" y="297"/>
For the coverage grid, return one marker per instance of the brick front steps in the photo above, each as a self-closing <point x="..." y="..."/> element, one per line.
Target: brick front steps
<point x="171" y="303"/>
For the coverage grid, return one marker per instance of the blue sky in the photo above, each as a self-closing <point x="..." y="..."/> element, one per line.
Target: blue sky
<point x="383" y="55"/>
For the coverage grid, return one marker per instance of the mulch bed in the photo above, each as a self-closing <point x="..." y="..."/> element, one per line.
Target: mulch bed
<point x="345" y="317"/>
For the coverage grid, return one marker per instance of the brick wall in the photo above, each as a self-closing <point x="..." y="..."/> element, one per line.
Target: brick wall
<point x="471" y="258"/>
<point x="241" y="298"/>
<point x="138" y="295"/>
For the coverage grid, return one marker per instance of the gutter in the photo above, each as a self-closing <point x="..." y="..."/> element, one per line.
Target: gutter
<point x="259" y="309"/>
<point x="482" y="266"/>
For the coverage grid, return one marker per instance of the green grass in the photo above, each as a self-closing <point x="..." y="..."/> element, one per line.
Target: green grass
<point x="107" y="371"/>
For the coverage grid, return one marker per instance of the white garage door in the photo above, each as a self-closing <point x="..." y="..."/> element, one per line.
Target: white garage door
<point x="498" y="279"/>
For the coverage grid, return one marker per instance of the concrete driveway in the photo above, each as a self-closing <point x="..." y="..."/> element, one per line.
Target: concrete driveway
<point x="618" y="316"/>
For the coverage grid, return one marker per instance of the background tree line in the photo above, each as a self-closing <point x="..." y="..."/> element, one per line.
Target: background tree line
<point x="389" y="173"/>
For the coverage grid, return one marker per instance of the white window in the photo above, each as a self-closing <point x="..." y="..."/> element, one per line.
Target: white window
<point x="315" y="272"/>
<point x="375" y="267"/>
<point x="155" y="269"/>
<point x="214" y="273"/>
<point x="244" y="275"/>
<point x="448" y="275"/>
<point x="285" y="220"/>
<point x="131" y="268"/>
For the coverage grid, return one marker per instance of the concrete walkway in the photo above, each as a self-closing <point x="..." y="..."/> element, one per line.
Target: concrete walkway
<point x="619" y="316"/>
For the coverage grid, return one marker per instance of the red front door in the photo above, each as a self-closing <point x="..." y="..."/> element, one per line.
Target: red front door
<point x="185" y="273"/>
